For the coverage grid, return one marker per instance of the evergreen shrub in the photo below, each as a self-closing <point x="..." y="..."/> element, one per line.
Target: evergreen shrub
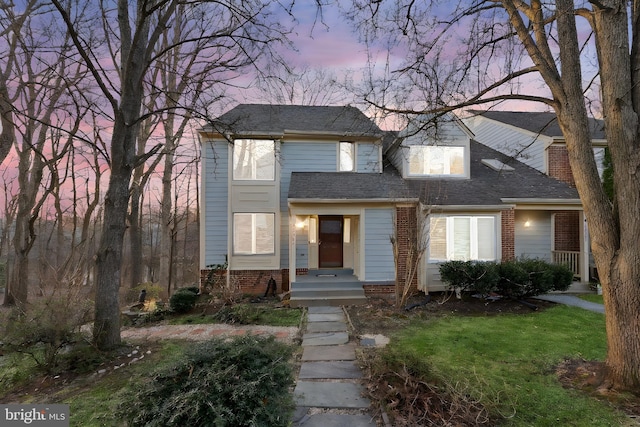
<point x="241" y="382"/>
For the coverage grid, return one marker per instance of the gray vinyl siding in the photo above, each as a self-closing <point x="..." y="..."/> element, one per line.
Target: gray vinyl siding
<point x="215" y="158"/>
<point x="525" y="146"/>
<point x="294" y="157"/>
<point x="302" y="249"/>
<point x="368" y="157"/>
<point x="379" y="265"/>
<point x="533" y="241"/>
<point x="304" y="157"/>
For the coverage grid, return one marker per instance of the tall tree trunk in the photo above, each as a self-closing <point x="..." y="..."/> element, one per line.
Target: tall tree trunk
<point x="135" y="235"/>
<point x="614" y="233"/>
<point x="106" y="327"/>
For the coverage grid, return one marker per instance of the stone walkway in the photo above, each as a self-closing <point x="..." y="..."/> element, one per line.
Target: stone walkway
<point x="328" y="391"/>
<point x="572" y="300"/>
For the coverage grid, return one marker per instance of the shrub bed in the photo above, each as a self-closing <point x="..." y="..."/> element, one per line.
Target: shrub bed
<point x="517" y="279"/>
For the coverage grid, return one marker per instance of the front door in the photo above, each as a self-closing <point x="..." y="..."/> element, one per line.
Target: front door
<point x="330" y="241"/>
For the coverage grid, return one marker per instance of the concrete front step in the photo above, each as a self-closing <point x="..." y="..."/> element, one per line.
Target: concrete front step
<point x="307" y="294"/>
<point x="342" y="284"/>
<point x="331" y="272"/>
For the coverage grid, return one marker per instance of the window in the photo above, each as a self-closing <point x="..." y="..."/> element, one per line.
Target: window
<point x="462" y="238"/>
<point x="253" y="233"/>
<point x="254" y="159"/>
<point x="347" y="157"/>
<point x="436" y="160"/>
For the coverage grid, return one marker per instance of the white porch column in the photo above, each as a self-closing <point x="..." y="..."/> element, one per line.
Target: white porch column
<point x="585" y="249"/>
<point x="292" y="247"/>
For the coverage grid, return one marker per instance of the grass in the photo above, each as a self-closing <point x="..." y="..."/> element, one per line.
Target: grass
<point x="95" y="404"/>
<point x="507" y="362"/>
<point x="592" y="298"/>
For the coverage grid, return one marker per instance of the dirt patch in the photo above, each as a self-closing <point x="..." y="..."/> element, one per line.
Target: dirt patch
<point x="380" y="316"/>
<point x="586" y="376"/>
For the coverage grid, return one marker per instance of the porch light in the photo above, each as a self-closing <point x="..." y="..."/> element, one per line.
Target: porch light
<point x="527" y="223"/>
<point x="301" y="223"/>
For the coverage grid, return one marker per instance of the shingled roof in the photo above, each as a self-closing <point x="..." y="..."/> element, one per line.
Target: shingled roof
<point x="543" y="123"/>
<point x="279" y="119"/>
<point x="486" y="187"/>
<point x="336" y="186"/>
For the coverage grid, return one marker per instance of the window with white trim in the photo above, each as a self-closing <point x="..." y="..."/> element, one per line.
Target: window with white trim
<point x="436" y="160"/>
<point x="462" y="238"/>
<point x="253" y="233"/>
<point x="254" y="159"/>
<point x="346" y="156"/>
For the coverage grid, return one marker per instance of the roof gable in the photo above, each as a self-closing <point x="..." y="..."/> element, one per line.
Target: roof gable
<point x="281" y="119"/>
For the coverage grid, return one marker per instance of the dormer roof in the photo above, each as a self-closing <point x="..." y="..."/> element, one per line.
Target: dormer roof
<point x="543" y="123"/>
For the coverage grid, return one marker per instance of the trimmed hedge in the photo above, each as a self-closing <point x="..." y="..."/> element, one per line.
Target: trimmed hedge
<point x="241" y="382"/>
<point x="515" y="279"/>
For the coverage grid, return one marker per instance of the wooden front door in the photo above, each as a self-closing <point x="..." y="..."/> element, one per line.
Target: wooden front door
<point x="330" y="241"/>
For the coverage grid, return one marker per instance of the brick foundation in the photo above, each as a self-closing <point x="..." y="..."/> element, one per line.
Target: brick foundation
<point x="254" y="282"/>
<point x="383" y="291"/>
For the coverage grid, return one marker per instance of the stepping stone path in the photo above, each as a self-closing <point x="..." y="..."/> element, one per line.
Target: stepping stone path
<point x="328" y="392"/>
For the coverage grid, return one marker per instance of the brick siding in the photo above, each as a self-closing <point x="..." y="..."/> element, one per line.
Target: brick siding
<point x="559" y="166"/>
<point x="567" y="231"/>
<point x="406" y="235"/>
<point x="508" y="234"/>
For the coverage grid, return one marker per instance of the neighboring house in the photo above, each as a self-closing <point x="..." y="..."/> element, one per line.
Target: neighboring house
<point x="304" y="194"/>
<point x="535" y="139"/>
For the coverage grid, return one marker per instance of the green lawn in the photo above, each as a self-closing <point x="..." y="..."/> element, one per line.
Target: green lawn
<point x="507" y="362"/>
<point x="592" y="298"/>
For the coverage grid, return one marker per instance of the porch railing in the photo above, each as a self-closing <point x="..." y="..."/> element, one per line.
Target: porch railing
<point x="569" y="258"/>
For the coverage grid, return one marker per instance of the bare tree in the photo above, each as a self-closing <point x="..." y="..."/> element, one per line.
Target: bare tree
<point x="43" y="73"/>
<point x="554" y="53"/>
<point x="237" y="34"/>
<point x="304" y="86"/>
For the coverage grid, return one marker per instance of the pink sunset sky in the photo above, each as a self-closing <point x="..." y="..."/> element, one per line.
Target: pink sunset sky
<point x="325" y="40"/>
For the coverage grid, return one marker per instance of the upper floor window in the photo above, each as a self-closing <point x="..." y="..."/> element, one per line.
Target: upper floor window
<point x="436" y="160"/>
<point x="346" y="156"/>
<point x="254" y="159"/>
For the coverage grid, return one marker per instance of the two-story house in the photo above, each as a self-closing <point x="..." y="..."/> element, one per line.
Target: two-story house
<point x="313" y="196"/>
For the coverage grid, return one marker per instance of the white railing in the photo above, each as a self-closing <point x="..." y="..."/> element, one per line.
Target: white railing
<point x="569" y="258"/>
